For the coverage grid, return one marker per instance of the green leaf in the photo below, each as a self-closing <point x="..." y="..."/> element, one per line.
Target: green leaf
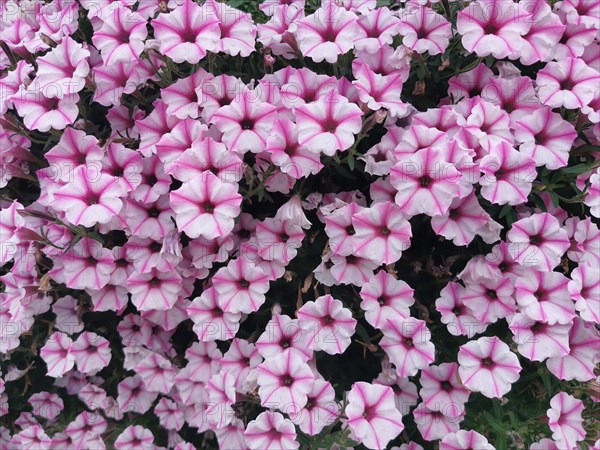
<point x="578" y="169"/>
<point x="351" y="162"/>
<point x="494" y="423"/>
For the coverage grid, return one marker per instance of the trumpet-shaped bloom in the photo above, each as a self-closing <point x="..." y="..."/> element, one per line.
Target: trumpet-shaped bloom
<point x="284" y="381"/>
<point x="488" y="366"/>
<point x="584" y="288"/>
<point x="90" y="198"/>
<point x="566" y="423"/>
<point x="464" y="440"/>
<point x="241" y="286"/>
<point x="424" y="30"/>
<point x="490" y="300"/>
<point x="434" y="425"/>
<point x="492" y="27"/>
<point x="329" y="325"/>
<point x="91" y="352"/>
<point x="382" y="233"/>
<point x="328" y="124"/>
<point x="328" y="33"/>
<point x="372" y="414"/>
<point x="245" y="123"/>
<point x="380" y="91"/>
<point x="211" y="323"/>
<point x="544" y="297"/>
<point x="121" y="36"/>
<point x="583" y="355"/>
<point x="154" y="290"/>
<point x="458" y="317"/>
<point x="408" y="345"/>
<point x="187" y="32"/>
<point x="507" y="175"/>
<point x="63" y="70"/>
<point x="570" y="83"/>
<point x="320" y="410"/>
<point x="238" y="31"/>
<point x="426" y="183"/>
<point x="441" y="388"/>
<point x="157" y="373"/>
<point x="135" y="437"/>
<point x="538" y="341"/>
<point x="546" y="137"/>
<point x="384" y="297"/>
<point x="271" y="431"/>
<point x="281" y="334"/>
<point x="205" y="206"/>
<point x="538" y="241"/>
<point x="57" y="354"/>
<point x="42" y="113"/>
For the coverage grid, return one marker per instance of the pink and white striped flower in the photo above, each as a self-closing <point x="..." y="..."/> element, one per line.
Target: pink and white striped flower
<point x="327" y="33"/>
<point x="241" y="286"/>
<point x="426" y="183"/>
<point x="42" y="113"/>
<point x="538" y="241"/>
<point x="328" y="323"/>
<point x="154" y="290"/>
<point x="271" y="431"/>
<point x="584" y="288"/>
<point x="187" y="32"/>
<point x="372" y="414"/>
<point x="424" y="30"/>
<point x="57" y="354"/>
<point x="566" y="423"/>
<point x="385" y="297"/>
<point x="328" y="124"/>
<point x="464" y="440"/>
<point x="91" y="351"/>
<point x="205" y="206"/>
<point x="488" y="366"/>
<point x="538" y="341"/>
<point x="408" y="344"/>
<point x="134" y="437"/>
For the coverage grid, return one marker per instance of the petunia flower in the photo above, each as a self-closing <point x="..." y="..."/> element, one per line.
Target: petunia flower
<point x="538" y="241"/>
<point x="379" y="91"/>
<point x="121" y="36"/>
<point x="284" y="381"/>
<point x="426" y="183"/>
<point x="328" y="33"/>
<point x="90" y="198"/>
<point x="187" y="33"/>
<point x="491" y="27"/>
<point x="440" y="387"/>
<point x="221" y="392"/>
<point x="206" y="206"/>
<point x="91" y="351"/>
<point x="271" y="431"/>
<point x="32" y="438"/>
<point x="424" y="30"/>
<point x="592" y="199"/>
<point x="408" y="344"/>
<point x="384" y="297"/>
<point x="490" y="300"/>
<point x="63" y="70"/>
<point x="380" y="26"/>
<point x="372" y="415"/>
<point x="463" y="440"/>
<point x="545" y="33"/>
<point x="507" y="175"/>
<point x="46" y="404"/>
<point x="328" y="323"/>
<point x="210" y="321"/>
<point x="245" y="123"/>
<point x="241" y="286"/>
<point x="57" y="354"/>
<point x="238" y="31"/>
<point x="488" y="366"/>
<point x="546" y="137"/>
<point x="328" y="124"/>
<point x="583" y="355"/>
<point x="275" y="33"/>
<point x="435" y="424"/>
<point x="135" y="437"/>
<point x="566" y="423"/>
<point x="544" y="297"/>
<point x="42" y="113"/>
<point x="157" y="373"/>
<point x="382" y="233"/>
<point x="284" y="333"/>
<point x="320" y="410"/>
<point x="458" y="317"/>
<point x="154" y="290"/>
<point x="584" y="288"/>
<point x="570" y="83"/>
<point x="339" y="229"/>
<point x="538" y="340"/>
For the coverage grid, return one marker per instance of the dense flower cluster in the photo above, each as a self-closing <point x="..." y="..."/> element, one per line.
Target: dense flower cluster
<point x="299" y="225"/>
